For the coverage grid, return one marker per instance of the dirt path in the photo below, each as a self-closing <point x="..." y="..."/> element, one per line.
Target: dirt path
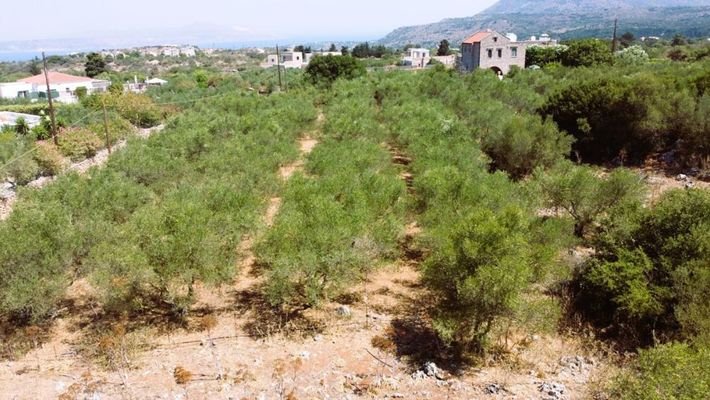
<point x="81" y="167"/>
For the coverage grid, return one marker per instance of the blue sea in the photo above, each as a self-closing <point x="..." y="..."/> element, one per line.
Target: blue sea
<point x="28" y="55"/>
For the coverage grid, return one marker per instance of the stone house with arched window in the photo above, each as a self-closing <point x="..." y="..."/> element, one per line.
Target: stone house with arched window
<point x="492" y="50"/>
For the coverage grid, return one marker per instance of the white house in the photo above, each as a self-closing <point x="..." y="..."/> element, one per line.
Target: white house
<point x="289" y="59"/>
<point x="417" y="57"/>
<point x="62" y="86"/>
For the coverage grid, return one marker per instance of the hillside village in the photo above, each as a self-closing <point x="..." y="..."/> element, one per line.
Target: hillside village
<point x="479" y="214"/>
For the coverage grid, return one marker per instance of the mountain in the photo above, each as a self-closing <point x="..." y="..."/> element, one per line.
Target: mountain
<point x="567" y="19"/>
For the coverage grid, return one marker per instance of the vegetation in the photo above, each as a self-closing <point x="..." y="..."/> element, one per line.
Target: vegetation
<point x="326" y="69"/>
<point x="95" y="65"/>
<point x="504" y="178"/>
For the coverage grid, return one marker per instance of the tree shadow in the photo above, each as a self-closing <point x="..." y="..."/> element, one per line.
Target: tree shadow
<point x="415" y="340"/>
<point x="265" y="320"/>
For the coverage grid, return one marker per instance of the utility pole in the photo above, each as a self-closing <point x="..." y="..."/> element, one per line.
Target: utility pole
<point x="51" y="105"/>
<point x="108" y="141"/>
<point x="278" y="65"/>
<point x="613" y="41"/>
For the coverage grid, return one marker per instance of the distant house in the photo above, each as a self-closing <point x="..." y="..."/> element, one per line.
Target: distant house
<point x="156" y="82"/>
<point x="492" y="50"/>
<point x="62" y="87"/>
<point x="295" y="59"/>
<point x="287" y="59"/>
<point x="417" y="57"/>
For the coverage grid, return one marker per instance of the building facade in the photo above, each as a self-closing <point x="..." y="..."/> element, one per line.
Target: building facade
<point x="492" y="50"/>
<point x="62" y="87"/>
<point x="417" y="57"/>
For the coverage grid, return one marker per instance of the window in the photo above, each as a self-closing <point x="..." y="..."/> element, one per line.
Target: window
<point x="495" y="39"/>
<point x="513" y="51"/>
<point x="500" y="53"/>
<point x="490" y="53"/>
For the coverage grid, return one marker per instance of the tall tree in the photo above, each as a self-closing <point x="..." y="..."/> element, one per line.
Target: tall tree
<point x="332" y="48"/>
<point x="627" y="39"/>
<point x="444" y="48"/>
<point x="95" y="65"/>
<point x="35" y="68"/>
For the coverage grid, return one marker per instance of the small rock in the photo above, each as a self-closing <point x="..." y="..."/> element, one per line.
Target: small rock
<point x="343" y="311"/>
<point x="681" y="177"/>
<point x="317" y="338"/>
<point x="553" y="390"/>
<point x="493" y="388"/>
<point x="304" y="355"/>
<point x="397" y="396"/>
<point x="431" y="370"/>
<point x="419" y="375"/>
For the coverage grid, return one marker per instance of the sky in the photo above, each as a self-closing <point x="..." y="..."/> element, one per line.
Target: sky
<point x="252" y="19"/>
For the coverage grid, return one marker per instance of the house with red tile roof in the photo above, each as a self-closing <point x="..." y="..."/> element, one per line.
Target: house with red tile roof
<point x="492" y="50"/>
<point x="62" y="86"/>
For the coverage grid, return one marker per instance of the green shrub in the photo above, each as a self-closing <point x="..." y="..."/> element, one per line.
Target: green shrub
<point x="587" y="197"/>
<point x="49" y="159"/>
<point x="79" y="143"/>
<point x="325" y="70"/>
<point x="673" y="371"/>
<point x="650" y="275"/>
<point x="477" y="274"/>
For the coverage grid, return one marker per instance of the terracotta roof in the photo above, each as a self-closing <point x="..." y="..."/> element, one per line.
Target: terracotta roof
<point x="477" y="37"/>
<point x="56" y="78"/>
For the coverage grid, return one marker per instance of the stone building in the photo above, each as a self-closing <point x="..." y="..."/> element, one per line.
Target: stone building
<point x="492" y="50"/>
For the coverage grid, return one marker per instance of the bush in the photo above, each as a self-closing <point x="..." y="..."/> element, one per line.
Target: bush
<point x="651" y="273"/>
<point x="634" y="55"/>
<point x="79" y="143"/>
<point x="669" y="372"/>
<point x="623" y="120"/>
<point x="585" y="196"/>
<point x="325" y="70"/>
<point x="587" y="53"/>
<point x="49" y="159"/>
<point x="477" y="274"/>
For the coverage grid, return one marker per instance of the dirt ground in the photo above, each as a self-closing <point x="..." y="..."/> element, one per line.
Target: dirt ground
<point x="328" y="354"/>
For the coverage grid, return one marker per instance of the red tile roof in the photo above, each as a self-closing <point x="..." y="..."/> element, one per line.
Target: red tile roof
<point x="477" y="37"/>
<point x="56" y="78"/>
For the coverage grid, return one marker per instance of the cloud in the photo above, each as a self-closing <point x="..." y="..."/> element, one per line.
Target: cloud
<point x="241" y="29"/>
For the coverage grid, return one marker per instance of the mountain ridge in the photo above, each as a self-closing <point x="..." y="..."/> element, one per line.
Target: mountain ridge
<point x="566" y="19"/>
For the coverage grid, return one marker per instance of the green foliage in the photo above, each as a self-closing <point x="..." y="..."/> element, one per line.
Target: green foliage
<point x="669" y="372"/>
<point x="477" y="273"/>
<point x="614" y="118"/>
<point x="162" y="214"/>
<point x="15" y="155"/>
<point x="444" y="48"/>
<point x="49" y="159"/>
<point x="586" y="196"/>
<point x="95" y="65"/>
<point x="651" y="272"/>
<point x="327" y="69"/>
<point x="344" y="217"/>
<point x="633" y="55"/>
<point x="587" y="53"/>
<point x="79" y="143"/>
<point x="544" y="55"/>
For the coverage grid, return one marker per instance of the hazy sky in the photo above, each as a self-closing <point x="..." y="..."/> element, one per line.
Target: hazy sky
<point x="41" y="19"/>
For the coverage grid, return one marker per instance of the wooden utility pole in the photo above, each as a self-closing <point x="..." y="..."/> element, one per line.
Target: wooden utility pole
<point x="613" y="40"/>
<point x="278" y="65"/>
<point x="49" y="97"/>
<point x="108" y="141"/>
